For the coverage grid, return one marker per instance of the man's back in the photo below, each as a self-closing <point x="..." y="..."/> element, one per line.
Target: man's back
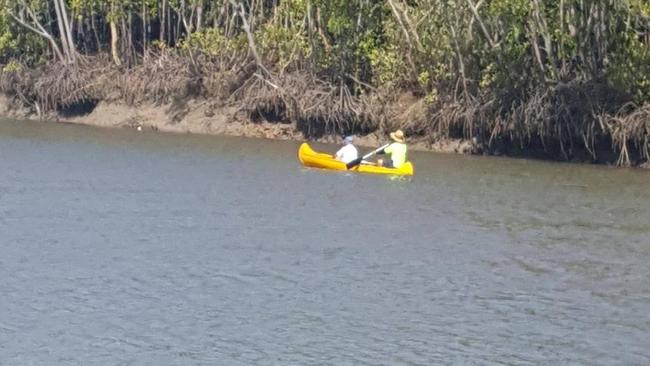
<point x="347" y="153"/>
<point x="397" y="151"/>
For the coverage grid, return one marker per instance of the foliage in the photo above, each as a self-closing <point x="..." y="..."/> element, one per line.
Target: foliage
<point x="211" y="41"/>
<point x="282" y="46"/>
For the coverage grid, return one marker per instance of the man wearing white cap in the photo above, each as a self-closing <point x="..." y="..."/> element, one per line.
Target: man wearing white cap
<point x="348" y="152"/>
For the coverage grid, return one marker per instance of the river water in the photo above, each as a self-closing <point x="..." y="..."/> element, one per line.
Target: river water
<point x="126" y="248"/>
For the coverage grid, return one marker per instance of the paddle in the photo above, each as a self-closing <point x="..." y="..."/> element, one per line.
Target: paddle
<point x="358" y="161"/>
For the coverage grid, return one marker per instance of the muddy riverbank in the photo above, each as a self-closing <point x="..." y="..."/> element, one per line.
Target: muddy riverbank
<point x="202" y="117"/>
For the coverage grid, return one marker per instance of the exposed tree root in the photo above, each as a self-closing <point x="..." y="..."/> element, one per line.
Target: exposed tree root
<point x="315" y="107"/>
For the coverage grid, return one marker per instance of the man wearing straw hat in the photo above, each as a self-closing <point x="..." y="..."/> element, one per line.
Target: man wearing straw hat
<point x="396" y="151"/>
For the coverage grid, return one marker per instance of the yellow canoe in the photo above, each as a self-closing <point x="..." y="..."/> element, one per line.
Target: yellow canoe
<point x="311" y="158"/>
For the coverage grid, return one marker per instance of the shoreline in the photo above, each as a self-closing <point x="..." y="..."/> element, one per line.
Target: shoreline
<point x="198" y="117"/>
<point x="201" y="117"/>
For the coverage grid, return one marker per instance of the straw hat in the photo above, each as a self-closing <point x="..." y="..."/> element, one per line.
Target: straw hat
<point x="397" y="136"/>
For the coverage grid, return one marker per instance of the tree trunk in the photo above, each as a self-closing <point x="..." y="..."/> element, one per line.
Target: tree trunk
<point x="114" y="43"/>
<point x="130" y="49"/>
<point x="68" y="29"/>
<point x="310" y="33"/>
<point x="144" y="28"/>
<point x="62" y="32"/>
<point x="114" y="36"/>
<point x="199" y="16"/>
<point x="169" y="24"/>
<point x="251" y="40"/>
<point x="94" y="28"/>
<point x="162" y="21"/>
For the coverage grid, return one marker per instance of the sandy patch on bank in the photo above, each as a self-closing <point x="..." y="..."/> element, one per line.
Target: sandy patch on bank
<point x="194" y="117"/>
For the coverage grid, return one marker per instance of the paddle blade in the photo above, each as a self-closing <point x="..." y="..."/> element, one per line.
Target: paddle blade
<point x="353" y="163"/>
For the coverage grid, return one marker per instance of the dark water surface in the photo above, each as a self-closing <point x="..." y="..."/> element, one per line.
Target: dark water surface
<point x="125" y="248"/>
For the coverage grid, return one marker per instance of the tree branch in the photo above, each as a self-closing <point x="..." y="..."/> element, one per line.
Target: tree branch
<point x="38" y="29"/>
<point x="251" y="40"/>
<point x="474" y="10"/>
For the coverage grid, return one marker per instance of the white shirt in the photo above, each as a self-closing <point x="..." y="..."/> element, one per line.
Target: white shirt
<point x="347" y="153"/>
